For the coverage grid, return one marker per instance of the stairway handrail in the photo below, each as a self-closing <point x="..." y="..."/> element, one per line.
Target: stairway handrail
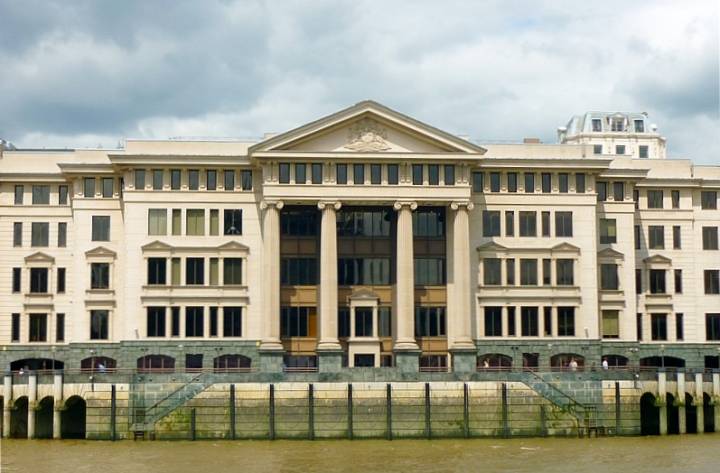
<point x="563" y="393"/>
<point x="192" y="381"/>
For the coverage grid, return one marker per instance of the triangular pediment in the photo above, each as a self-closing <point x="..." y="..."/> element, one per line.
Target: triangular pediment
<point x="657" y="259"/>
<point x="156" y="245"/>
<point x="565" y="247"/>
<point x="39" y="257"/>
<point x="100" y="251"/>
<point x="233" y="246"/>
<point x="367" y="127"/>
<point x="610" y="253"/>
<point x="492" y="246"/>
<point x="363" y="295"/>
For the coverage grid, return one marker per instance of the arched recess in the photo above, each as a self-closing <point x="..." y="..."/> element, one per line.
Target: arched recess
<point x="673" y="415"/>
<point x="156" y="363"/>
<point x="616" y="361"/>
<point x="36" y="364"/>
<point x="231" y="363"/>
<point x="649" y="415"/>
<point x="44" y="418"/>
<point x="495" y="362"/>
<point x="98" y="364"/>
<point x="73" y="418"/>
<point x="563" y="361"/>
<point x="690" y="415"/>
<point x="19" y="418"/>
<point x="655" y="362"/>
<point x="708" y="413"/>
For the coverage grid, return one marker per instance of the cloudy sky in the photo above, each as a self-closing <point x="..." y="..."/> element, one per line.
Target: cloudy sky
<point x="87" y="73"/>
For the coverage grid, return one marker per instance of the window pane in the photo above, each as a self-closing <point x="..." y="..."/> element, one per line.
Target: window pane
<point x="195" y="222"/>
<point x="157" y="222"/>
<point x="341" y="173"/>
<point x="229" y="180"/>
<point x="40" y="195"/>
<point x="393" y="177"/>
<point x="375" y="174"/>
<point x="19" y="194"/>
<point x="358" y="174"/>
<point x="317" y="173"/>
<point x="89" y="187"/>
<point x="158" y="179"/>
<point x="246" y="176"/>
<point x="40" y="234"/>
<point x="449" y="175"/>
<point x="211" y="180"/>
<point x="232" y="222"/>
<point x="193" y="179"/>
<point x="300" y="173"/>
<point x="107" y="187"/>
<point x="139" y="179"/>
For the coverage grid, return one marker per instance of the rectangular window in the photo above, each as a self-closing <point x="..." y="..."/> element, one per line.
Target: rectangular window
<point x="214" y="272"/>
<point x="712" y="281"/>
<point x="195" y="271"/>
<point x="157" y="179"/>
<point x="17" y="234"/>
<point x="433" y="174"/>
<point x="177" y="221"/>
<point x="156" y="321"/>
<point x="214" y="222"/>
<point x="675" y="197"/>
<point x="596" y="124"/>
<point x="300" y="173"/>
<point x="449" y="175"/>
<point x="677" y="241"/>
<point x="213" y="315"/>
<point x="656" y="237"/>
<point x="194" y="323"/>
<point x="229" y="180"/>
<point x="232" y="222"/>
<point x="40" y="195"/>
<point x="509" y="223"/>
<point x="296" y="321"/>
<point x="40" y="234"/>
<point x="139" y="179"/>
<point x="89" y="187"/>
<point x="38" y="328"/>
<point x="657" y="281"/>
<point x="639" y="326"/>
<point x="712" y="327"/>
<point x="580" y="183"/>
<point x="658" y="325"/>
<point x="39" y="280"/>
<point x="529" y="182"/>
<point x="193" y="179"/>
<point x="15" y="330"/>
<point x="547" y="272"/>
<point x="608" y="231"/>
<point x="417" y="174"/>
<point x="478" y="184"/>
<point x="19" y="194"/>
<point x="62" y="235"/>
<point x="175" y="271"/>
<point x="385" y="321"/>
<point x="494" y="182"/>
<point x="563" y="182"/>
<point x="528" y="224"/>
<point x="545" y="223"/>
<point x="678" y="281"/>
<point x="493" y="321"/>
<point x="232" y="321"/>
<point x="232" y="271"/>
<point x="511" y="321"/>
<point x="601" y="191"/>
<point x="708" y="200"/>
<point x="636" y="198"/>
<point x="566" y="321"/>
<point x="619" y="149"/>
<point x="303" y="271"/>
<point x="195" y="222"/>
<point x="618" y="191"/>
<point x="643" y="151"/>
<point x="358" y="174"/>
<point x="491" y="223"/>
<point x="547" y="321"/>
<point x="175" y="321"/>
<point x="597" y="149"/>
<point x="157" y="222"/>
<point x="175" y="176"/>
<point x="61" y="280"/>
<point x="546" y="182"/>
<point x="393" y="175"/>
<point x="638" y="281"/>
<point x="510" y="271"/>
<point x="529" y="321"/>
<point x="429" y="271"/>
<point x="512" y="181"/>
<point x="16" y="279"/>
<point x="107" y="187"/>
<point x="341" y="173"/>
<point x="639" y="126"/>
<point x="316" y="173"/>
<point x="363" y="322"/>
<point x="211" y="179"/>
<point x="610" y="324"/>
<point x="100" y="275"/>
<point x="157" y="270"/>
<point x="609" y="277"/>
<point x="679" y="327"/>
<point x="528" y="272"/>
<point x="637" y="237"/>
<point x="655" y="199"/>
<point x="491" y="272"/>
<point x="60" y="327"/>
<point x="99" y="324"/>
<point x="100" y="228"/>
<point x="563" y="224"/>
<point x="565" y="269"/>
<point x="710" y="238"/>
<point x="430" y="322"/>
<point x="62" y="195"/>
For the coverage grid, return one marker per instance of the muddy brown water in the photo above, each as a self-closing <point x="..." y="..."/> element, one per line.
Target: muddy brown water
<point x="691" y="453"/>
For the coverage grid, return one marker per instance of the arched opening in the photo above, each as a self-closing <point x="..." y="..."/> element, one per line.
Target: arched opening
<point x="231" y="363"/>
<point x="655" y="362"/>
<point x="19" y="418"/>
<point x="98" y="364"/>
<point x="567" y="362"/>
<point x="673" y="415"/>
<point x="649" y="415"/>
<point x="708" y="413"/>
<point x="156" y="363"/>
<point x="712" y="362"/>
<point x="73" y="418"/>
<point x="494" y="362"/>
<point x="690" y="415"/>
<point x="44" y="418"/>
<point x="36" y="364"/>
<point x="616" y="361"/>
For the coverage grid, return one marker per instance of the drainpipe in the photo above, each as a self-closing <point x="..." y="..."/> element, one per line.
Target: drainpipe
<point x="32" y="404"/>
<point x="58" y="397"/>
<point x="7" y="396"/>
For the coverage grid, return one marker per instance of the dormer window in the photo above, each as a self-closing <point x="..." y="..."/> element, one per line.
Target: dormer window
<point x="596" y="124"/>
<point x="639" y="126"/>
<point x="617" y="124"/>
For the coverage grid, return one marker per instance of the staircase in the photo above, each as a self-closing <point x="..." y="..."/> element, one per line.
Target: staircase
<point x="151" y="406"/>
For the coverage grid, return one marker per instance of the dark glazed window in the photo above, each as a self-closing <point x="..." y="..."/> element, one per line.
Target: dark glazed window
<point x="246" y="179"/>
<point x="449" y="175"/>
<point x="375" y="174"/>
<point x="300" y="173"/>
<point x="512" y="181"/>
<point x="433" y="174"/>
<point x="529" y="182"/>
<point x="341" y="173"/>
<point x="393" y="177"/>
<point x="316" y="170"/>
<point x="417" y="174"/>
<point x="358" y="174"/>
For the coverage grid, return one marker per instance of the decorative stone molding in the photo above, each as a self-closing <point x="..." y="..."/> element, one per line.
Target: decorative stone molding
<point x="400" y="204"/>
<point x="367" y="135"/>
<point x="327" y="203"/>
<point x="459" y="204"/>
<point x="278" y="204"/>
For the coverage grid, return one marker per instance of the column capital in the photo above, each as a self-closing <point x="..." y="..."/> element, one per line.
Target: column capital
<point x="278" y="204"/>
<point x="400" y="204"/>
<point x="336" y="204"/>
<point x="462" y="203"/>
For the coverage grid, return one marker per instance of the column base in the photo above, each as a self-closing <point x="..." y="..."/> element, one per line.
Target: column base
<point x="271" y="361"/>
<point x="464" y="361"/>
<point x="407" y="361"/>
<point x="329" y="361"/>
<point x="270" y="345"/>
<point x="406" y="345"/>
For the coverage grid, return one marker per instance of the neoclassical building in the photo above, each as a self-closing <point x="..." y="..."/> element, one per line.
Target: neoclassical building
<point x="363" y="239"/>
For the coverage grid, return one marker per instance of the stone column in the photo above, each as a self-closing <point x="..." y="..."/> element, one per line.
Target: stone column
<point x="270" y="347"/>
<point x="32" y="404"/>
<point x="662" y="397"/>
<point x="680" y="401"/>
<point x="329" y="350"/>
<point x="698" y="400"/>
<point x="459" y="298"/>
<point x="57" y="408"/>
<point x="405" y="279"/>
<point x="7" y="401"/>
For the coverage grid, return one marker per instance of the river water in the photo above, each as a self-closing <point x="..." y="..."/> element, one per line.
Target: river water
<point x="691" y="453"/>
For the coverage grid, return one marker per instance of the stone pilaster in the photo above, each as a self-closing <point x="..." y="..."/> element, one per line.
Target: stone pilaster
<point x="271" y="278"/>
<point x="680" y="401"/>
<point x="405" y="280"/>
<point x="459" y="310"/>
<point x="662" y="398"/>
<point x="7" y="402"/>
<point x="58" y="403"/>
<point x="698" y="400"/>
<point x="328" y="293"/>
<point x="32" y="404"/>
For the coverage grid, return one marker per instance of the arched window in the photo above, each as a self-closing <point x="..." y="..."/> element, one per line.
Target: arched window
<point x="156" y="363"/>
<point x="98" y="364"/>
<point x="654" y="362"/>
<point x="494" y="362"/>
<point x="616" y="361"/>
<point x="567" y="362"/>
<point x="231" y="363"/>
<point x="36" y="364"/>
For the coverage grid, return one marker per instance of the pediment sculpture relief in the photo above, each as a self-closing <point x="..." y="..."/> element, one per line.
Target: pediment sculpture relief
<point x="367" y="135"/>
